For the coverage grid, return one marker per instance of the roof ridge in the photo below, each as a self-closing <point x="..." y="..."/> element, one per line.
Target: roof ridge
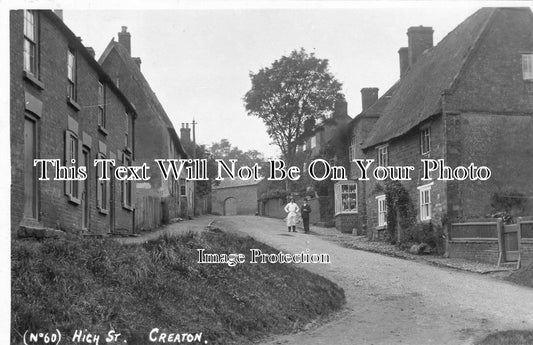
<point x="475" y="47"/>
<point x="148" y="91"/>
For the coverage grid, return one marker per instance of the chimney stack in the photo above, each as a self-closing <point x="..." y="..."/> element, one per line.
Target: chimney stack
<point x="124" y="38"/>
<point x="59" y="13"/>
<point x="419" y="39"/>
<point x="341" y="106"/>
<point x="137" y="61"/>
<point x="404" y="60"/>
<point x="91" y="51"/>
<point x="369" y="96"/>
<point x="185" y="134"/>
<point x="309" y="125"/>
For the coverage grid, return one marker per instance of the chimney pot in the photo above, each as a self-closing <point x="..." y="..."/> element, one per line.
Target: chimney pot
<point x="309" y="125"/>
<point x="419" y="39"/>
<point x="124" y="38"/>
<point x="91" y="51"/>
<point x="137" y="61"/>
<point x="341" y="106"/>
<point x="185" y="135"/>
<point x="369" y="96"/>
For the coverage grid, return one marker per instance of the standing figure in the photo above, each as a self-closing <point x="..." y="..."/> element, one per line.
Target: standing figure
<point x="292" y="214"/>
<point x="306" y="210"/>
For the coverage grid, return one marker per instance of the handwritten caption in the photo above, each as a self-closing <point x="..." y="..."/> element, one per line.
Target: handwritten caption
<point x="79" y="336"/>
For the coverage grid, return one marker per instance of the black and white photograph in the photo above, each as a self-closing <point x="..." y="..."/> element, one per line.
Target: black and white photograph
<point x="273" y="173"/>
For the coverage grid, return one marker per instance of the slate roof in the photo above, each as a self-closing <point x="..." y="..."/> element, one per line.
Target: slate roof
<point x="147" y="90"/>
<point x="227" y="183"/>
<point x="418" y="94"/>
<point x="80" y="48"/>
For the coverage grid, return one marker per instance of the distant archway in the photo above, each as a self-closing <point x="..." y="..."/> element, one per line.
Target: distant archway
<point x="230" y="206"/>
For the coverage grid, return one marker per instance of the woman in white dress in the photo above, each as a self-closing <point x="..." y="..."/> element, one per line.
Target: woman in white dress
<point x="292" y="214"/>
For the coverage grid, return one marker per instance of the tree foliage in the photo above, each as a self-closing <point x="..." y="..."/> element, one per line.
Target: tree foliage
<point x="224" y="150"/>
<point x="293" y="89"/>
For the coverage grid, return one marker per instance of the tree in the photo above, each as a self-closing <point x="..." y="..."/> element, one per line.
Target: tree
<point x="294" y="89"/>
<point x="224" y="150"/>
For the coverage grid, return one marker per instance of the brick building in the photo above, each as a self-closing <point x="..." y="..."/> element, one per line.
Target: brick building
<point x="325" y="140"/>
<point x="158" y="200"/>
<point x="235" y="197"/>
<point x="469" y="99"/>
<point x="315" y="137"/>
<point x="64" y="106"/>
<point x="350" y="210"/>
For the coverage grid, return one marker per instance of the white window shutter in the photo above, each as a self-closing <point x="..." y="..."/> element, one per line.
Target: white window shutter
<point x="527" y="66"/>
<point x="98" y="187"/>
<point x="338" y="197"/>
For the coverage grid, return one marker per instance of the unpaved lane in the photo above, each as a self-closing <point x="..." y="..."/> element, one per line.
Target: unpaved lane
<point x="395" y="301"/>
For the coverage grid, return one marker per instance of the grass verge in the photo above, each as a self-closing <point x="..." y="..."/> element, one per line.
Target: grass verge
<point x="100" y="285"/>
<point x="523" y="276"/>
<point x="508" y="338"/>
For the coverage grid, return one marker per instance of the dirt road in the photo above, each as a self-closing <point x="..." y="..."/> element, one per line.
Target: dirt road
<point x="395" y="301"/>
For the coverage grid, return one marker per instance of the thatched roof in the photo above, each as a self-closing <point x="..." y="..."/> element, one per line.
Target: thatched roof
<point x="441" y="68"/>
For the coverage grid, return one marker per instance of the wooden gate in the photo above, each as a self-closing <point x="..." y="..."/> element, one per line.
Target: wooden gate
<point x="511" y="242"/>
<point x="510" y="246"/>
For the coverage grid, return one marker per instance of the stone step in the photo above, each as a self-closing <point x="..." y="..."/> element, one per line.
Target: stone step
<point x="39" y="231"/>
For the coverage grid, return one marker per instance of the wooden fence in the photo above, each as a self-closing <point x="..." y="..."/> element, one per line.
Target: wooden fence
<point x="489" y="240"/>
<point x="148" y="213"/>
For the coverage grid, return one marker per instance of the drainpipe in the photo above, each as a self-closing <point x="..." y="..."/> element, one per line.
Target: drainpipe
<point x="445" y="157"/>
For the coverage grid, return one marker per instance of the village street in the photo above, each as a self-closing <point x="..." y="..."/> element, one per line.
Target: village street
<point x="395" y="301"/>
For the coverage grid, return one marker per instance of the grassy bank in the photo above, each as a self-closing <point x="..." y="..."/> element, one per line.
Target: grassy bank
<point x="508" y="338"/>
<point x="523" y="276"/>
<point x="101" y="285"/>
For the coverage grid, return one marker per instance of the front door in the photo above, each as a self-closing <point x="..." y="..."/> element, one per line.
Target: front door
<point x="30" y="178"/>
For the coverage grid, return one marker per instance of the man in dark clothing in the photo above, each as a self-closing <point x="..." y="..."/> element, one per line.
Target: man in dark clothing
<point x="306" y="210"/>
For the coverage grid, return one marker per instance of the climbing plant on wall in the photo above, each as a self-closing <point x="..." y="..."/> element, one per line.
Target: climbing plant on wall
<point x="400" y="210"/>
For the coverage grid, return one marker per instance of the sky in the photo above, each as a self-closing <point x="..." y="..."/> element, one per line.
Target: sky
<point x="198" y="60"/>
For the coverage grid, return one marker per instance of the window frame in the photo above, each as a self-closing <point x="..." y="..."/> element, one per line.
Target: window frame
<point x="352" y="148"/>
<point x="101" y="94"/>
<point x="32" y="66"/>
<point x="183" y="187"/>
<point x="339" y="209"/>
<point x="72" y="94"/>
<point x="425" y="133"/>
<point x="128" y="134"/>
<point x="382" y="155"/>
<point x="527" y="66"/>
<point x="313" y="142"/>
<point x="382" y="210"/>
<point x="424" y="202"/>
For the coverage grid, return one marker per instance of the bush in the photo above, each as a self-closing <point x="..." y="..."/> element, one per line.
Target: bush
<point x="428" y="233"/>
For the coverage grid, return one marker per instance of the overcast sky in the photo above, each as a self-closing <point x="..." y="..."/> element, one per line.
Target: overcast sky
<point x="198" y="60"/>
